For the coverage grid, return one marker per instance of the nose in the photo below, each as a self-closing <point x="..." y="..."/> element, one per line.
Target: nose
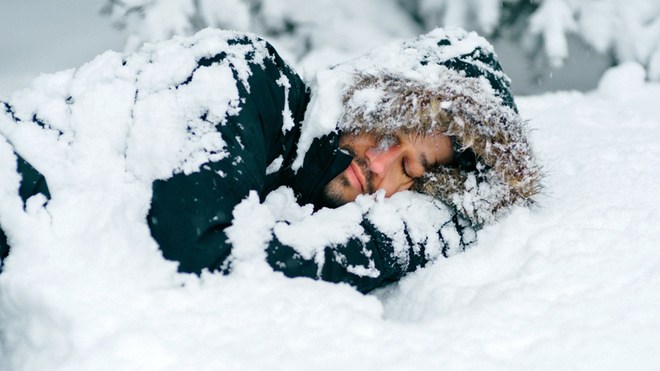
<point x="381" y="160"/>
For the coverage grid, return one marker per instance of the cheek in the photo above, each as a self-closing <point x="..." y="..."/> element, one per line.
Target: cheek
<point x="403" y="187"/>
<point x="395" y="184"/>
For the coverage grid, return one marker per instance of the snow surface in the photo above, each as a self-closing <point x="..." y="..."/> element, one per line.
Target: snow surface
<point x="570" y="284"/>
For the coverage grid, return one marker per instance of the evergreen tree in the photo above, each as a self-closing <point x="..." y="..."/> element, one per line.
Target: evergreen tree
<point x="315" y="34"/>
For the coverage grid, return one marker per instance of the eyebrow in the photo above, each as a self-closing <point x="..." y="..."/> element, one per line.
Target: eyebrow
<point x="425" y="162"/>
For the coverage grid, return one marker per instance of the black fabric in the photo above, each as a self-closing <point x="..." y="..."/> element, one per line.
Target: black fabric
<point x="375" y="255"/>
<point x="319" y="168"/>
<point x="4" y="248"/>
<point x="463" y="159"/>
<point x="189" y="213"/>
<point x="481" y="63"/>
<point x="32" y="182"/>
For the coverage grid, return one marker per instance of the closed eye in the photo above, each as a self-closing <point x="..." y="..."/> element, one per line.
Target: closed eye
<point x="403" y="168"/>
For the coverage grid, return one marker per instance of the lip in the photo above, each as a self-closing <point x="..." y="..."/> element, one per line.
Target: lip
<point x="355" y="176"/>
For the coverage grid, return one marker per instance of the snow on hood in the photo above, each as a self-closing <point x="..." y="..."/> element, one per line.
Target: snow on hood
<point x="448" y="80"/>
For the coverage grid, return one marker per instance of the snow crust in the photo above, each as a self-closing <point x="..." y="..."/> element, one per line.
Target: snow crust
<point x="570" y="284"/>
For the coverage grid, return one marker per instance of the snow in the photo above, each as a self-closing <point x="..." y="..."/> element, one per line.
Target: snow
<point x="308" y="34"/>
<point x="553" y="20"/>
<point x="471" y="14"/>
<point x="625" y="30"/>
<point x="569" y="284"/>
<point x="622" y="81"/>
<point x="400" y="59"/>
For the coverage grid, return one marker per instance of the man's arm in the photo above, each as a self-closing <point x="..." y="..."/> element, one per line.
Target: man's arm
<point x="368" y="249"/>
<point x="189" y="212"/>
<point x="363" y="265"/>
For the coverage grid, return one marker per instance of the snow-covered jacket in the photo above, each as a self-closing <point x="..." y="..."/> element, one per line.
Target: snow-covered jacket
<point x="446" y="80"/>
<point x="191" y="212"/>
<point x="270" y="135"/>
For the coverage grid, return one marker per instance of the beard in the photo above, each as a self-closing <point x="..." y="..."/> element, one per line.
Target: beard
<point x="333" y="192"/>
<point x="337" y="192"/>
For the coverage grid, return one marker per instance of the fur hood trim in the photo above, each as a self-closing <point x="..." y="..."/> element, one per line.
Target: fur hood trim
<point x="465" y="98"/>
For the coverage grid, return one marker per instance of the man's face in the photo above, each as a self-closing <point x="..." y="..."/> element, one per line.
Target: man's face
<point x="392" y="164"/>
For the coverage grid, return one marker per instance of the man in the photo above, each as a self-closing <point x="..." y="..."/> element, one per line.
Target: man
<point x="434" y="115"/>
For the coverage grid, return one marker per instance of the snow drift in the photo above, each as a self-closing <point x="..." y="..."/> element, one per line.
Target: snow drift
<point x="572" y="283"/>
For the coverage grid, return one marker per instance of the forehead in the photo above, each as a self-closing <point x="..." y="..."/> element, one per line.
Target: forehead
<point x="430" y="148"/>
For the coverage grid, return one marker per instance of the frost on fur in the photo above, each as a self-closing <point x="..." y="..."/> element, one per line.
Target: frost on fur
<point x="466" y="109"/>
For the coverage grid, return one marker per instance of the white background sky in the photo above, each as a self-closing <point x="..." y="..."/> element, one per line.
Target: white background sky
<point x="48" y="36"/>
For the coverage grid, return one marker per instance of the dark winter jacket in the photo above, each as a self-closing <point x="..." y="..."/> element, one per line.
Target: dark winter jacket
<point x="449" y="80"/>
<point x="190" y="213"/>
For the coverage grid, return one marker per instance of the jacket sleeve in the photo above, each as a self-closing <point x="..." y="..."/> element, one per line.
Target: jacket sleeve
<point x="32" y="182"/>
<point x="189" y="212"/>
<point x="372" y="259"/>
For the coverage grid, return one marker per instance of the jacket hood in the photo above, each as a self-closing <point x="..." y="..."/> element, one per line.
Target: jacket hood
<point x="447" y="81"/>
